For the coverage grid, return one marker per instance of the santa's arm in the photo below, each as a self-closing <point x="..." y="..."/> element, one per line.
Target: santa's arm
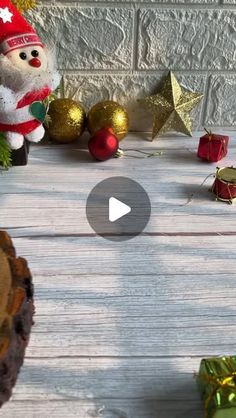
<point x="8" y="100"/>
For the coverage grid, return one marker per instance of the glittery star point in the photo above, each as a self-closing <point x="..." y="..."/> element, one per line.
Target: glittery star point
<point x="171" y="107"/>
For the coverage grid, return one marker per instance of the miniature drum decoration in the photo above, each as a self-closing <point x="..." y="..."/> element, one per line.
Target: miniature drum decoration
<point x="224" y="185"/>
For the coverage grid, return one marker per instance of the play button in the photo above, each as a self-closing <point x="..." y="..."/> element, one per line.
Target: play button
<point x="118" y="208"/>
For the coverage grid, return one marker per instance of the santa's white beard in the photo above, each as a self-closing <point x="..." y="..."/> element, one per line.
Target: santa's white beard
<point x="21" y="82"/>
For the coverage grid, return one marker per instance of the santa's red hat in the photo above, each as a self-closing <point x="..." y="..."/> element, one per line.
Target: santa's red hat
<point x="15" y="31"/>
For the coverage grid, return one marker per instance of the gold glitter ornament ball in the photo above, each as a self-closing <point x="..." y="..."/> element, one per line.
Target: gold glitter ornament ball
<point x="109" y="114"/>
<point x="66" y="120"/>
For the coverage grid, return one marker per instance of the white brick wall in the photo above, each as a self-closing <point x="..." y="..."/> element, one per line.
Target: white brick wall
<point x="120" y="49"/>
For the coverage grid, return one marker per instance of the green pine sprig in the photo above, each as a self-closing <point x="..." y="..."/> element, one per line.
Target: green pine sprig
<point x="5" y="153"/>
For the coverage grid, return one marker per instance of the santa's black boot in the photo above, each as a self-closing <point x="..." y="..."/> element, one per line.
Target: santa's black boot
<point x="20" y="156"/>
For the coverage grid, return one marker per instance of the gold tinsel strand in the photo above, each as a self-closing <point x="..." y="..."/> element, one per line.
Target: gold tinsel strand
<point x="24" y="5"/>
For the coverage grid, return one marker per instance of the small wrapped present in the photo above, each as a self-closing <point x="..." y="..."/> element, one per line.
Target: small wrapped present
<point x="213" y="147"/>
<point x="217" y="383"/>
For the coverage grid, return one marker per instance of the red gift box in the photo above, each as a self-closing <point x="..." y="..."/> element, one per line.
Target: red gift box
<point x="213" y="147"/>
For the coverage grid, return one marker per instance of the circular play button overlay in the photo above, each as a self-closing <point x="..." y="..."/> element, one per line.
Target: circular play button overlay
<point x="118" y="208"/>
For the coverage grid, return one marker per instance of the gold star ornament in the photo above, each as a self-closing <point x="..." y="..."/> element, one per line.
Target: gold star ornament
<point x="171" y="107"/>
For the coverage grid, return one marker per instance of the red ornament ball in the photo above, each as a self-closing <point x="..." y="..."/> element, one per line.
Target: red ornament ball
<point x="103" y="144"/>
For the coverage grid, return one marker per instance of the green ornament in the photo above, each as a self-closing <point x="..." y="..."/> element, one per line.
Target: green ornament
<point x="38" y="111"/>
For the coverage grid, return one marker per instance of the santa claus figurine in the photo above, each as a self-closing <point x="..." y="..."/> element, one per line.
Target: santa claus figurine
<point x="27" y="75"/>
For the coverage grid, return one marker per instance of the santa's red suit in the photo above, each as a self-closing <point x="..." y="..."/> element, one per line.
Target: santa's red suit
<point x="21" y="120"/>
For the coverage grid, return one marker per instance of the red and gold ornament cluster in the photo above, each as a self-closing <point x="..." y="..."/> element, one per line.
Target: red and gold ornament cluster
<point x="107" y="122"/>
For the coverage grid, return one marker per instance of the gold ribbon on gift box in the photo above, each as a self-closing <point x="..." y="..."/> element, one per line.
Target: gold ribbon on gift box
<point x="217" y="381"/>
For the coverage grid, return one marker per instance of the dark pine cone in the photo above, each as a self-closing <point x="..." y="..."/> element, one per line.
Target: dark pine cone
<point x="16" y="314"/>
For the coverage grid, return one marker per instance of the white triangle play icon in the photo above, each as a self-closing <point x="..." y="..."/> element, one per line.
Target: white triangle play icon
<point x="117" y="209"/>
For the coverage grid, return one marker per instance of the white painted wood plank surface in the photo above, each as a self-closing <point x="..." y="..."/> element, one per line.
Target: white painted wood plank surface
<point x="125" y="378"/>
<point x="121" y="327"/>
<point x="107" y="311"/>
<point x="50" y="255"/>
<point x="103" y="408"/>
<point x="61" y="178"/>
